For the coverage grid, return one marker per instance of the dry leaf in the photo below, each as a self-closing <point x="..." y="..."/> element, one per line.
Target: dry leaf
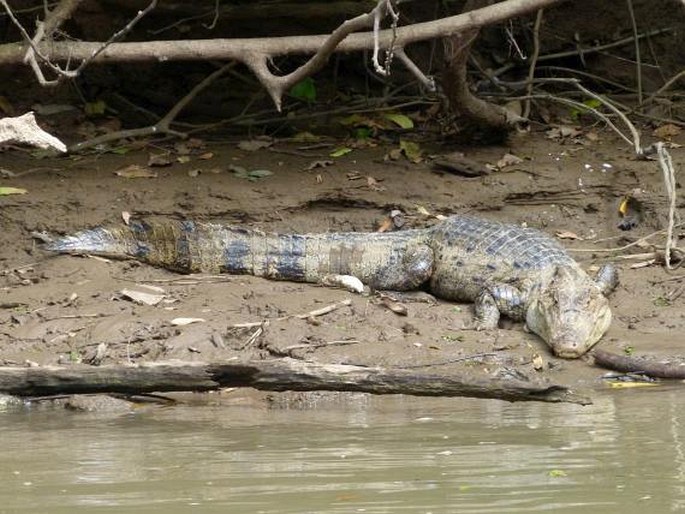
<point x="569" y="235"/>
<point x="206" y="156"/>
<point x="422" y="210"/>
<point x="538" y="362"/>
<point x="135" y="171"/>
<point x="386" y="225"/>
<point x="141" y="297"/>
<point x="562" y="132"/>
<point x="396" y="307"/>
<point x="183" y="159"/>
<point x="179" y="322"/>
<point x="318" y="164"/>
<point x="12" y="191"/>
<point x="666" y="131"/>
<point x="643" y="264"/>
<point x="182" y="148"/>
<point x="160" y="160"/>
<point x="253" y="145"/>
<point x="508" y="159"/>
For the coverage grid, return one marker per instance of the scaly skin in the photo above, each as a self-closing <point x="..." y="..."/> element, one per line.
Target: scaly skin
<point x="503" y="269"/>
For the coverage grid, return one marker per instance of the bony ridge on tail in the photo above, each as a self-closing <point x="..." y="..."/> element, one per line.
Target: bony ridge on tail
<point x="504" y="269"/>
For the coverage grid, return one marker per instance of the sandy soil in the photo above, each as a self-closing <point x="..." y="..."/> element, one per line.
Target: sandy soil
<point x="59" y="309"/>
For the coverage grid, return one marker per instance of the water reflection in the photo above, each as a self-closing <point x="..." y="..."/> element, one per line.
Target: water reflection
<point x="373" y="455"/>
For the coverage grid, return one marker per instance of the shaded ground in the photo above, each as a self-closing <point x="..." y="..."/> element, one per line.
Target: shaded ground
<point x="60" y="309"/>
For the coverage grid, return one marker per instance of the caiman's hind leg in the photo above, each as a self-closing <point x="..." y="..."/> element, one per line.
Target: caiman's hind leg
<point x="408" y="273"/>
<point x="607" y="279"/>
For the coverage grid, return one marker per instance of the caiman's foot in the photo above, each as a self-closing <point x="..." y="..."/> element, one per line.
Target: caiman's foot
<point x="607" y="279"/>
<point x="487" y="312"/>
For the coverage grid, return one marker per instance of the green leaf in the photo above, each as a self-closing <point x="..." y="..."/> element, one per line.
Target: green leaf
<point x="354" y="120"/>
<point x="258" y="174"/>
<point x="557" y="473"/>
<point x="400" y="120"/>
<point x="251" y="175"/>
<point x="363" y="133"/>
<point x="96" y="108"/>
<point x="304" y="90"/>
<point x="339" y="152"/>
<point x="12" y="191"/>
<point x="592" y="103"/>
<point x="411" y="150"/>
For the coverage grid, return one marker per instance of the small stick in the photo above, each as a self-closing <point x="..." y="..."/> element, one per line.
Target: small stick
<point x="255" y="335"/>
<point x="533" y="62"/>
<point x="451" y="361"/>
<point x="306" y="315"/>
<point x="325" y="310"/>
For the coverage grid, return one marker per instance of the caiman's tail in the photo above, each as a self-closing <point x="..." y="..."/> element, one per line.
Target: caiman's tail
<point x="396" y="260"/>
<point x="163" y="244"/>
<point x="100" y="241"/>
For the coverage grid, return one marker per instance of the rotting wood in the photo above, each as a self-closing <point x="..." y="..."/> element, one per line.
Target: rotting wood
<point x="643" y="365"/>
<point x="268" y="375"/>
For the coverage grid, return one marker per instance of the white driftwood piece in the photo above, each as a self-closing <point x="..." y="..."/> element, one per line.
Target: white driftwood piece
<point x="24" y="129"/>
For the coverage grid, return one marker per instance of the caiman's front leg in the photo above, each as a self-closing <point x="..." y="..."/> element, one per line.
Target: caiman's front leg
<point x="607" y="279"/>
<point x="495" y="300"/>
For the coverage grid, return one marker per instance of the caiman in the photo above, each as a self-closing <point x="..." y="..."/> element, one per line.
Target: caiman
<point x="504" y="269"/>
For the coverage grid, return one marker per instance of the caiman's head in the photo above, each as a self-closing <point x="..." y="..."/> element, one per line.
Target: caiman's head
<point x="569" y="312"/>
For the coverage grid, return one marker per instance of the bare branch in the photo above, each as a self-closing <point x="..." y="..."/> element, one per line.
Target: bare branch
<point x="54" y="19"/>
<point x="208" y="49"/>
<point x="163" y="125"/>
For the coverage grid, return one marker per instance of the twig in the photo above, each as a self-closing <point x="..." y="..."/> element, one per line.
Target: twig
<point x="306" y="315"/>
<point x="383" y="7"/>
<point x="638" y="59"/>
<point x="640" y="241"/>
<point x="450" y="361"/>
<point x="585" y="107"/>
<point x="163" y="125"/>
<point x="666" y="164"/>
<point x="78" y="316"/>
<point x="319" y="345"/>
<point x="588" y="50"/>
<point x="325" y="310"/>
<point x="533" y="62"/>
<point x="212" y="25"/>
<point x="427" y="82"/>
<point x="666" y="86"/>
<point x="254" y="336"/>
<point x="64" y="9"/>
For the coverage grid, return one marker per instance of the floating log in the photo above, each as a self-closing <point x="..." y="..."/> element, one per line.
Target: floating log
<point x="642" y="365"/>
<point x="269" y="375"/>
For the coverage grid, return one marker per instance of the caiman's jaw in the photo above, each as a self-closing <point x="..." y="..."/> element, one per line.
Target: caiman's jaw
<point x="570" y="313"/>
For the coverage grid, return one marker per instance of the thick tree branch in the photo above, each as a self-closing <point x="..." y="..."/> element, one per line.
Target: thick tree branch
<point x="273" y="375"/>
<point x="237" y="49"/>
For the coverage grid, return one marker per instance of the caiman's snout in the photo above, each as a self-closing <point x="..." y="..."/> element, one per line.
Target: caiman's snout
<point x="571" y="314"/>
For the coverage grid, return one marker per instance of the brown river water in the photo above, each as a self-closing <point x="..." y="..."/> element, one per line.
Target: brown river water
<point x="625" y="453"/>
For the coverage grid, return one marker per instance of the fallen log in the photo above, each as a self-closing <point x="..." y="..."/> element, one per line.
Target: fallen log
<point x="643" y="365"/>
<point x="269" y="375"/>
